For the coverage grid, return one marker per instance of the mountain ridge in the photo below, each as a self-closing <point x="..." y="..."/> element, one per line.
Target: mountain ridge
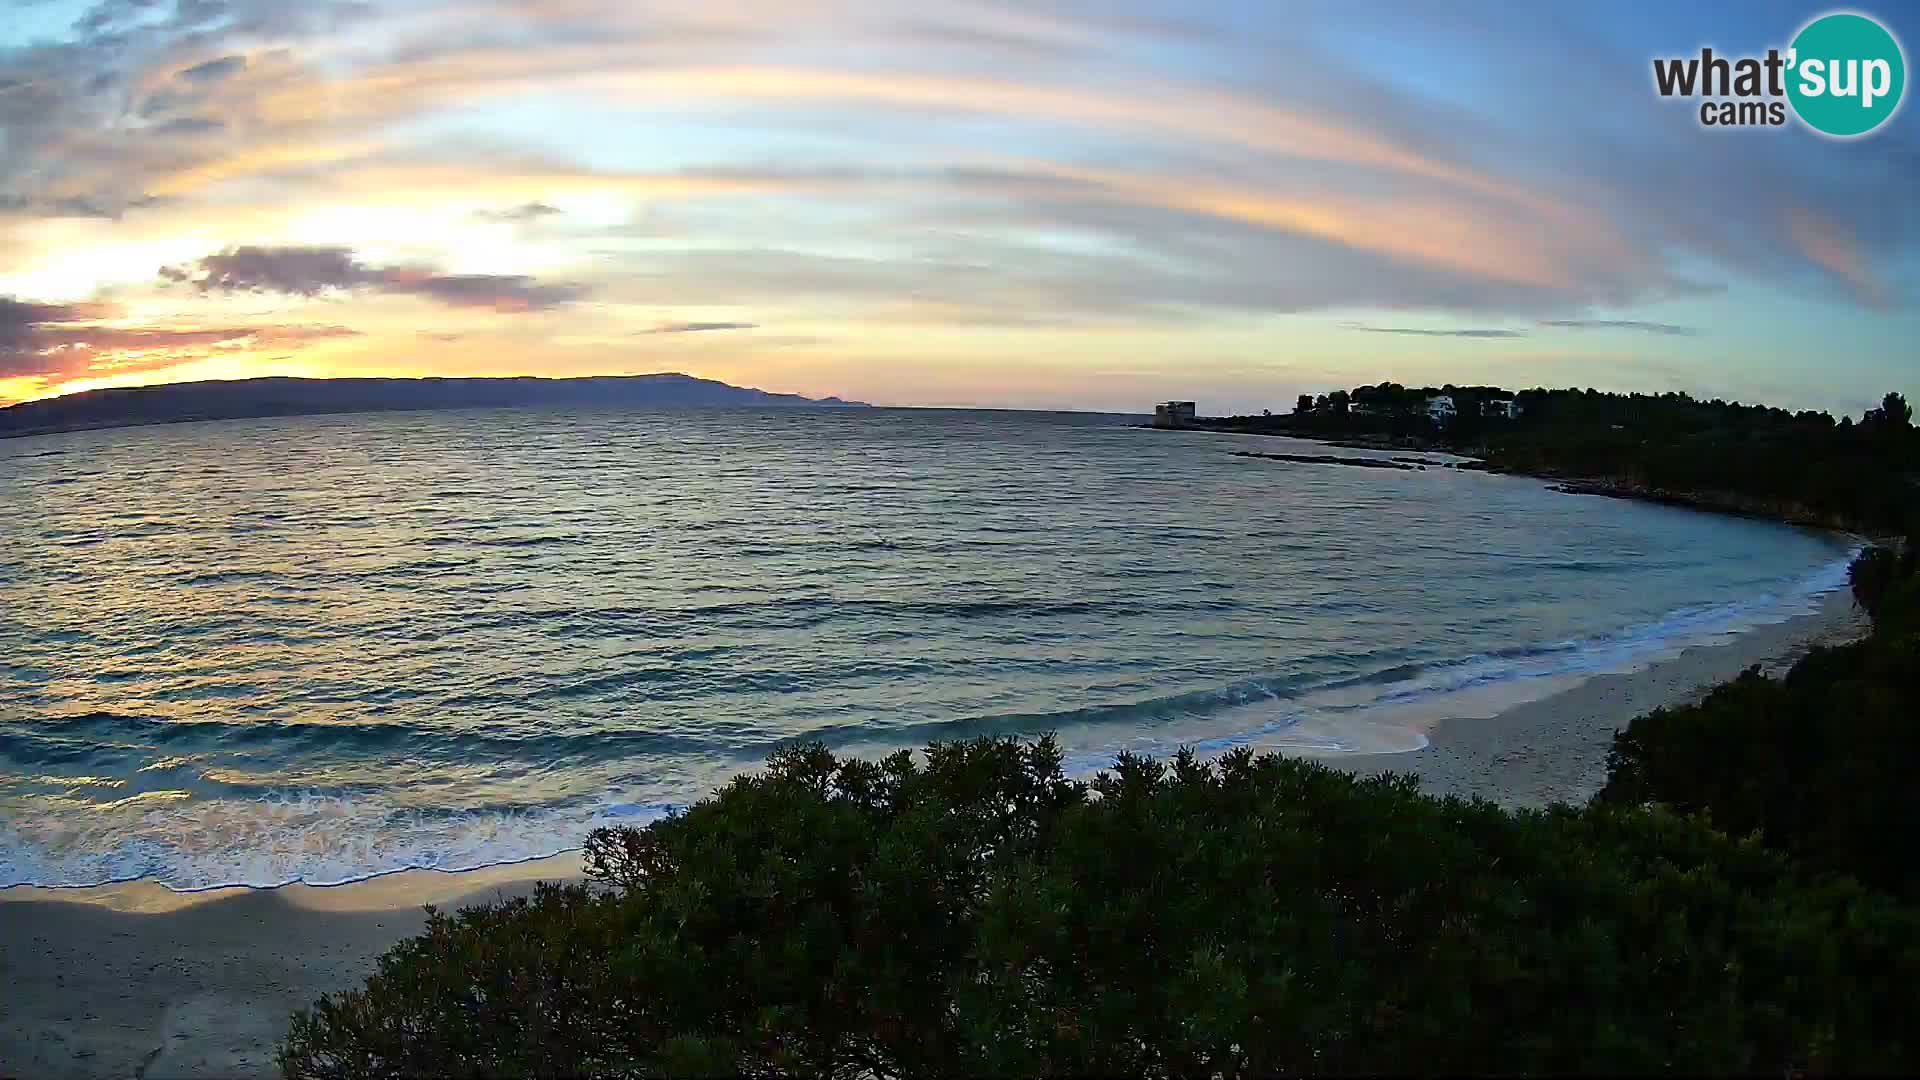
<point x="242" y="399"/>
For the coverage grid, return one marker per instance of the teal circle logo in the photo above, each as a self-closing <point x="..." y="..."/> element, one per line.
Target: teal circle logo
<point x="1846" y="74"/>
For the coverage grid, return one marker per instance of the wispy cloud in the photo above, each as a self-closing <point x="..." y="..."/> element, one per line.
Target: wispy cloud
<point x="518" y="215"/>
<point x="1161" y="175"/>
<point x="213" y="71"/>
<point x="1833" y="246"/>
<point x="1668" y="329"/>
<point x="698" y="327"/>
<point x="188" y="125"/>
<point x="1418" y="331"/>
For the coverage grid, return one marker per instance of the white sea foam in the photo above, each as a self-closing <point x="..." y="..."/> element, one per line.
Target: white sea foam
<point x="1389" y="716"/>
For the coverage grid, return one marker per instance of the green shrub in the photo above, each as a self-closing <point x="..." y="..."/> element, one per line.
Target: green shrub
<point x="983" y="914"/>
<point x="1886" y="585"/>
<point x="1820" y="764"/>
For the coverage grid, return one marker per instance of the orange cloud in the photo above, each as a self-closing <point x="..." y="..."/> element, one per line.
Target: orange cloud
<point x="1185" y="112"/>
<point x="1832" y="246"/>
<point x="254" y="161"/>
<point x="1499" y="247"/>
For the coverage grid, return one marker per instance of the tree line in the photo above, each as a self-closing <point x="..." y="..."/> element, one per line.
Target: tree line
<point x="1801" y="466"/>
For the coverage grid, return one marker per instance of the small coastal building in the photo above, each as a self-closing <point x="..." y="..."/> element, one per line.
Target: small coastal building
<point x="1440" y="408"/>
<point x="1173" y="414"/>
<point x="1364" y="408"/>
<point x="1505" y="408"/>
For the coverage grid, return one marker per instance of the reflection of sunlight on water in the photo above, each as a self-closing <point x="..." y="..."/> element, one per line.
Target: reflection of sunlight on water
<point x="360" y="643"/>
<point x="76" y="781"/>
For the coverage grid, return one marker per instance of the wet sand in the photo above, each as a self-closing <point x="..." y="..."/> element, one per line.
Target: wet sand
<point x="1555" y="749"/>
<point x="136" y="981"/>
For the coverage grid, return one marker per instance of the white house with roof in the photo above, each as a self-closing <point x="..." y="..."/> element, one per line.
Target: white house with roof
<point x="1440" y="408"/>
<point x="1506" y="408"/>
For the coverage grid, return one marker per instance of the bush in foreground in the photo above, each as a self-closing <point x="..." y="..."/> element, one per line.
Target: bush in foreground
<point x="983" y="914"/>
<point x="1820" y="764"/>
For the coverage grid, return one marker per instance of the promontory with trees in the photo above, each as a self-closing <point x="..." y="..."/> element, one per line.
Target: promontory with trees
<point x="1740" y="898"/>
<point x="1806" y="467"/>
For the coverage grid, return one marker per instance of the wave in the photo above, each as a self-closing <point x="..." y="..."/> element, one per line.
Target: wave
<point x="29" y="742"/>
<point x="247" y="836"/>
<point x="1626" y="649"/>
<point x="307" y="840"/>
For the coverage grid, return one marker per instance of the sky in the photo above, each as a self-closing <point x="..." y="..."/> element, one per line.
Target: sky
<point x="1002" y="203"/>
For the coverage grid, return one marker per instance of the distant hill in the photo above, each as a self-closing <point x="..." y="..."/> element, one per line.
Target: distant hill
<point x="176" y="403"/>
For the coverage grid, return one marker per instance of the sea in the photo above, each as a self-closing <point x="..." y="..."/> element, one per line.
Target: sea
<point x="323" y="648"/>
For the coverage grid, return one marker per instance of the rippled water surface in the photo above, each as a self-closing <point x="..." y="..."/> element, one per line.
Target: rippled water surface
<point x="319" y="648"/>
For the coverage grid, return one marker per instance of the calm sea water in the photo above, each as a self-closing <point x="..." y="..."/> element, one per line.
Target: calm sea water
<point x="320" y="648"/>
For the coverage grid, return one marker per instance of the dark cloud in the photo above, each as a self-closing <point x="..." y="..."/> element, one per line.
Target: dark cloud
<point x="214" y="71"/>
<point x="310" y="271"/>
<point x="1670" y="329"/>
<point x="53" y="340"/>
<point x="300" y="271"/>
<point x="19" y="320"/>
<point x="518" y="215"/>
<point x="1422" y="332"/>
<point x="699" y="327"/>
<point x="499" y="292"/>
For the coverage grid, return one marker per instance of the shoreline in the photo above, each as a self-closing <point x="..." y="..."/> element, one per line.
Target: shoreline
<point x="1707" y="502"/>
<point x="1554" y="748"/>
<point x="137" y="979"/>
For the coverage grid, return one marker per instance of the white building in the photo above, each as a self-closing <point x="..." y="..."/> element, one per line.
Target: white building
<point x="1440" y="408"/>
<point x="1502" y="407"/>
<point x="1173" y="414"/>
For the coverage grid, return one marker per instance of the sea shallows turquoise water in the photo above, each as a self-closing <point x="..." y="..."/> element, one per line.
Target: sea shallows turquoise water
<point x="326" y="647"/>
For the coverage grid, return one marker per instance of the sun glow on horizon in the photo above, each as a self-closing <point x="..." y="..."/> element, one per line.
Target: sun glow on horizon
<point x="961" y="205"/>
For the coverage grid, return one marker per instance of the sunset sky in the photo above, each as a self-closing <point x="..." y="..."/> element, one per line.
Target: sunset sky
<point x="1028" y="204"/>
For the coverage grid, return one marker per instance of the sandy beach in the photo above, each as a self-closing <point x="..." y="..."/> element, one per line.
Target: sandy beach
<point x="1555" y="749"/>
<point x="136" y="981"/>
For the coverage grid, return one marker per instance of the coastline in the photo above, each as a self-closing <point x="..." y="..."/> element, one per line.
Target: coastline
<point x="1708" y="501"/>
<point x="137" y="980"/>
<point x="1554" y="748"/>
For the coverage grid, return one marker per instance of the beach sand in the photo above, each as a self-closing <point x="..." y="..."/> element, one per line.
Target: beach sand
<point x="136" y="981"/>
<point x="1555" y="749"/>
